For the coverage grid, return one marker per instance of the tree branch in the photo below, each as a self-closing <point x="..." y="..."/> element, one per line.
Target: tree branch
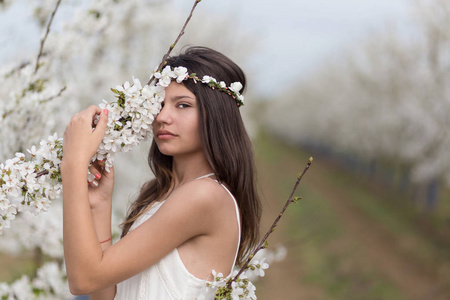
<point x="163" y="62"/>
<point x="263" y="243"/>
<point x="41" y="49"/>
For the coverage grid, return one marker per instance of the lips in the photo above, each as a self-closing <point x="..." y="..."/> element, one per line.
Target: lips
<point x="165" y="134"/>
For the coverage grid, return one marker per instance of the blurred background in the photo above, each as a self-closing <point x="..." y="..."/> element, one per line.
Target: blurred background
<point x="362" y="86"/>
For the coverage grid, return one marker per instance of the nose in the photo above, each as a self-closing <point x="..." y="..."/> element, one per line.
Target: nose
<point x="164" y="115"/>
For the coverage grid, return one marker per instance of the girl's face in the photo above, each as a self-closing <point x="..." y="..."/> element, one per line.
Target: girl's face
<point x="176" y="127"/>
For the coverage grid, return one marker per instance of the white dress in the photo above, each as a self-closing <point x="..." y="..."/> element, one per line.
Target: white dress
<point x="169" y="278"/>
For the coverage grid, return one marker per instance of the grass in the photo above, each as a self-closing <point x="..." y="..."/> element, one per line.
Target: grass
<point x="329" y="256"/>
<point x="319" y="236"/>
<point x="398" y="218"/>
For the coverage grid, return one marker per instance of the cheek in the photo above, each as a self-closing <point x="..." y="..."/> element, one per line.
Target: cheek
<point x="196" y="127"/>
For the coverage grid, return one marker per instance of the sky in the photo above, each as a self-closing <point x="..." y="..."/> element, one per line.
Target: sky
<point x="294" y="36"/>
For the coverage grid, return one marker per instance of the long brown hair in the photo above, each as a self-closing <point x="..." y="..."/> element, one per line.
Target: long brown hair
<point x="226" y="144"/>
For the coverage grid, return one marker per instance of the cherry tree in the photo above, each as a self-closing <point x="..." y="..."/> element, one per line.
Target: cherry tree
<point x="386" y="99"/>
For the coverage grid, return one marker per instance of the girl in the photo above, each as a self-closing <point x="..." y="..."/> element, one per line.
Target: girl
<point x="200" y="212"/>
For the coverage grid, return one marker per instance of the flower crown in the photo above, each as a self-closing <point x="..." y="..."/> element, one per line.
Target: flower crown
<point x="181" y="73"/>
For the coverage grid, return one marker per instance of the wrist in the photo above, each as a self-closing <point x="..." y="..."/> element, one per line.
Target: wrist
<point x="101" y="207"/>
<point x="73" y="165"/>
<point x="107" y="240"/>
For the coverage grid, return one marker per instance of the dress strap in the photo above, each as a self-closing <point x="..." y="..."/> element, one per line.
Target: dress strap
<point x="204" y="176"/>
<point x="238" y="221"/>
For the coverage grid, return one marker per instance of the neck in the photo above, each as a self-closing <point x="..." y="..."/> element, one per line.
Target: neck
<point x="189" y="167"/>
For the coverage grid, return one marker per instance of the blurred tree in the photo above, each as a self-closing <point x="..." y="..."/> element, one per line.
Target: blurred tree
<point x="387" y="99"/>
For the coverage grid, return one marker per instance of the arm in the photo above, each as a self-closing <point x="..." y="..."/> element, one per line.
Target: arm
<point x="89" y="267"/>
<point x="82" y="227"/>
<point x="100" y="199"/>
<point x="102" y="217"/>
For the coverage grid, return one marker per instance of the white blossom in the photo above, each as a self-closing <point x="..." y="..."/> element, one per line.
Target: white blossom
<point x="181" y="73"/>
<point x="208" y="79"/>
<point x="5" y="290"/>
<point x="236" y="87"/>
<point x="21" y="289"/>
<point x="234" y="286"/>
<point x="258" y="267"/>
<point x="129" y="118"/>
<point x="251" y="291"/>
<point x="165" y="76"/>
<point x="49" y="284"/>
<point x="237" y="291"/>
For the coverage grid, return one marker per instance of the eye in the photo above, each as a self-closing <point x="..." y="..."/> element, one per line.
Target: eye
<point x="183" y="105"/>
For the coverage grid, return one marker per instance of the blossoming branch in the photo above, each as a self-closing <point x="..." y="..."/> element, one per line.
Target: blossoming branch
<point x="31" y="184"/>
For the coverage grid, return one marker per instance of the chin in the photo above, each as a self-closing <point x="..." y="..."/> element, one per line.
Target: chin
<point x="166" y="151"/>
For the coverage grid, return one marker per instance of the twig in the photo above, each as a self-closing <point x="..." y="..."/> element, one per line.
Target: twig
<point x="8" y="112"/>
<point x="53" y="97"/>
<point x="17" y="69"/>
<point x="163" y="62"/>
<point x="263" y="242"/>
<point x="41" y="173"/>
<point x="41" y="49"/>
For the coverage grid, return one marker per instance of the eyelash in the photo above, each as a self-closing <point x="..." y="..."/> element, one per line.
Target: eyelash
<point x="183" y="105"/>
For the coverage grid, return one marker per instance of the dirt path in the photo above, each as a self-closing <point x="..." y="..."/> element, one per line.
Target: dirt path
<point x="286" y="275"/>
<point x="374" y="247"/>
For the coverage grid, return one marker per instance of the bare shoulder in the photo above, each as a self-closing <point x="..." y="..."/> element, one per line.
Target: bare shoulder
<point x="205" y="194"/>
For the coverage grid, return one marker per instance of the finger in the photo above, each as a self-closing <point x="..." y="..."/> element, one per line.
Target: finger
<point x="87" y="114"/>
<point x="94" y="171"/>
<point x="102" y="165"/>
<point x="94" y="183"/>
<point x="102" y="122"/>
<point x="109" y="174"/>
<point x="93" y="110"/>
<point x="90" y="176"/>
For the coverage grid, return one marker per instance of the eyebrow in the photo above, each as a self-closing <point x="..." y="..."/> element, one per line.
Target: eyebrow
<point x="181" y="97"/>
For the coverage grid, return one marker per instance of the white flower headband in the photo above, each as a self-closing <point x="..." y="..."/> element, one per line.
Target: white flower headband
<point x="181" y="73"/>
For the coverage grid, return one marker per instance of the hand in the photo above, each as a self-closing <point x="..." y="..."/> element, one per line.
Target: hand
<point x="81" y="141"/>
<point x="101" y="188"/>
